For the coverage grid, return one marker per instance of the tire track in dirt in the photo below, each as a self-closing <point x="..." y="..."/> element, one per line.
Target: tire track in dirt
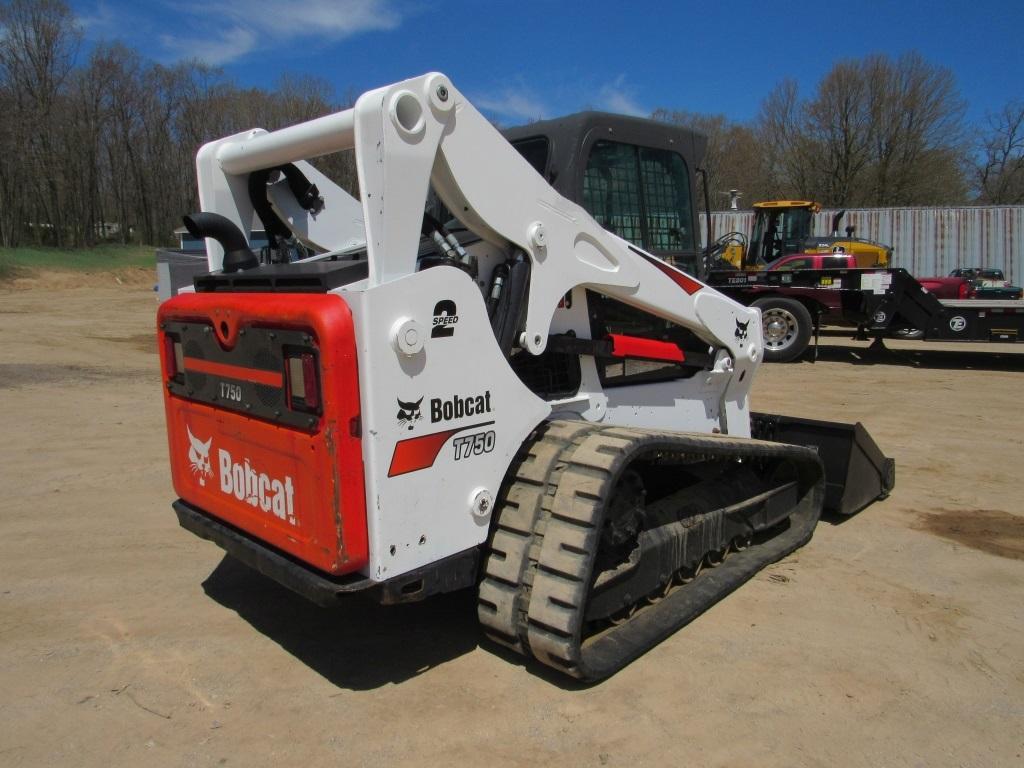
<point x="18" y="375"/>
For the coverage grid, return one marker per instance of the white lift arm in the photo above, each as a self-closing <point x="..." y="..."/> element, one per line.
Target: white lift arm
<point x="422" y="131"/>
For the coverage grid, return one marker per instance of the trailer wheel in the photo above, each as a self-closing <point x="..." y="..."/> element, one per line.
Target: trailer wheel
<point x="786" y="325"/>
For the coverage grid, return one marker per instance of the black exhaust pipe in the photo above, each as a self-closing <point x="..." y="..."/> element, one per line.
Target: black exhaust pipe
<point x="237" y="254"/>
<point x="835" y="222"/>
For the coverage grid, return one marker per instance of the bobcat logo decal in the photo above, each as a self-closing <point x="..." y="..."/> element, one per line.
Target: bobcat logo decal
<point x="741" y="330"/>
<point x="409" y="413"/>
<point x="199" y="457"/>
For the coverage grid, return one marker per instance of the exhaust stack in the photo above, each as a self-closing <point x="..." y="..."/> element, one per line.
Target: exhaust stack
<point x="835" y="222"/>
<point x="237" y="254"/>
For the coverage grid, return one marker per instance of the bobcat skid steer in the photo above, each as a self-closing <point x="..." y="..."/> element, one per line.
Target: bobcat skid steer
<point x="524" y="404"/>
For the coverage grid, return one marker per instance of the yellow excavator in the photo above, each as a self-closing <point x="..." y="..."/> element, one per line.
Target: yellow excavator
<point x="784" y="227"/>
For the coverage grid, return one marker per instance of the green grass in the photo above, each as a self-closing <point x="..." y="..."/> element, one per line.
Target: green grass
<point x="102" y="258"/>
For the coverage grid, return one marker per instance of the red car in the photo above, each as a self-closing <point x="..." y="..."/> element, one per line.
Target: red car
<point x="972" y="283"/>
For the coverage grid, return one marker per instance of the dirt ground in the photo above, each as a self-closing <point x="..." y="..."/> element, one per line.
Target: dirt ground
<point x="895" y="638"/>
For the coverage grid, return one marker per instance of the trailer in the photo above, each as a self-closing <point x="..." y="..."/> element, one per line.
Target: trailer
<point x="879" y="303"/>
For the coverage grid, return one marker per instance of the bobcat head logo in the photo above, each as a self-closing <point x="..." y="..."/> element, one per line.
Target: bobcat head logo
<point x="199" y="456"/>
<point x="741" y="330"/>
<point x="409" y="413"/>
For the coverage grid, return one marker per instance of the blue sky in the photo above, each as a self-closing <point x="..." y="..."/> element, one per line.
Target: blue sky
<point x="531" y="59"/>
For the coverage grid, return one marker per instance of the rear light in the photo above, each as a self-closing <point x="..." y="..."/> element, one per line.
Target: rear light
<point x="174" y="361"/>
<point x="964" y="290"/>
<point x="301" y="372"/>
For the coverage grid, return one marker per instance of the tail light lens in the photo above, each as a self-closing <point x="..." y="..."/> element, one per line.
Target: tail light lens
<point x="964" y="290"/>
<point x="302" y="374"/>
<point x="174" y="361"/>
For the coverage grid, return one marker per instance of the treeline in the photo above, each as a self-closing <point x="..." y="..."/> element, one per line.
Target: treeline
<point x="876" y="131"/>
<point x="102" y="147"/>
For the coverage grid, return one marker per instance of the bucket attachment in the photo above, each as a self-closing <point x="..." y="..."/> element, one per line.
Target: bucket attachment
<point x="857" y="473"/>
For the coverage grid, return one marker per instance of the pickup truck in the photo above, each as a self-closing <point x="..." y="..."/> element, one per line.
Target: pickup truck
<point x="813" y="261"/>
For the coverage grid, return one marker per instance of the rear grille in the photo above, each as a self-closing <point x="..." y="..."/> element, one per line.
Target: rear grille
<point x="249" y="378"/>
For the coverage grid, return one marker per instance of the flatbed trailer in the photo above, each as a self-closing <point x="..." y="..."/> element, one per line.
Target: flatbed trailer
<point x="877" y="302"/>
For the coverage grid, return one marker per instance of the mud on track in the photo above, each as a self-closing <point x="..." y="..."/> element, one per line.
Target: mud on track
<point x="893" y="638"/>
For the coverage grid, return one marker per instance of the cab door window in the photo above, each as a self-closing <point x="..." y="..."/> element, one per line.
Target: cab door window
<point x="640" y="194"/>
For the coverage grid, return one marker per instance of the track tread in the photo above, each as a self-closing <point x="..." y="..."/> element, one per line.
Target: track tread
<point x="546" y="533"/>
<point x="505" y="589"/>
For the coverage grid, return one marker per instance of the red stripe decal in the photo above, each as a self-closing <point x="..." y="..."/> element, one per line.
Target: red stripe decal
<point x="681" y="279"/>
<point x="418" y="453"/>
<point x="648" y="349"/>
<point x="241" y="373"/>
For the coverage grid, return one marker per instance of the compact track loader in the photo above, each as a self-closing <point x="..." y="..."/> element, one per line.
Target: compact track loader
<point x="521" y="402"/>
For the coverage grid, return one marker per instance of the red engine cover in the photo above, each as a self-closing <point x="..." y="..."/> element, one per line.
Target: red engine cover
<point x="299" y="490"/>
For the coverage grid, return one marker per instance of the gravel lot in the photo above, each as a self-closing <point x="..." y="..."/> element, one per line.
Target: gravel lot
<point x="895" y="638"/>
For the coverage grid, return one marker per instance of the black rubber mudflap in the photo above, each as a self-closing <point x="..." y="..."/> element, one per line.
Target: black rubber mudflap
<point x="539" y="572"/>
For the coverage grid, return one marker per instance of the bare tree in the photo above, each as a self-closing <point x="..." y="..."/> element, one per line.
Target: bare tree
<point x="734" y="157"/>
<point x="106" y="147"/>
<point x="839" y="125"/>
<point x="789" y="150"/>
<point x="1000" y="172"/>
<point x="877" y="131"/>
<point x="916" y="118"/>
<point x="38" y="45"/>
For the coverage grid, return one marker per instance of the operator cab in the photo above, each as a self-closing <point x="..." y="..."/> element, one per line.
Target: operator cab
<point x="780" y="228"/>
<point x="635" y="177"/>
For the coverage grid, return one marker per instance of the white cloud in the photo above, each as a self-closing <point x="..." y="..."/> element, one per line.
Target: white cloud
<point x="334" y="19"/>
<point x="514" y="103"/>
<point x="222" y="31"/>
<point x="232" y="44"/>
<point x="616" y="96"/>
<point x="519" y="102"/>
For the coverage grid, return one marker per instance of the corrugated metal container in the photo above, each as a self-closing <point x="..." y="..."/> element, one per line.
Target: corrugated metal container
<point x="925" y="241"/>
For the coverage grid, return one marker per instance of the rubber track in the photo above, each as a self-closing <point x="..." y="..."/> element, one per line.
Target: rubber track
<point x="504" y="592"/>
<point x="538" y="570"/>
